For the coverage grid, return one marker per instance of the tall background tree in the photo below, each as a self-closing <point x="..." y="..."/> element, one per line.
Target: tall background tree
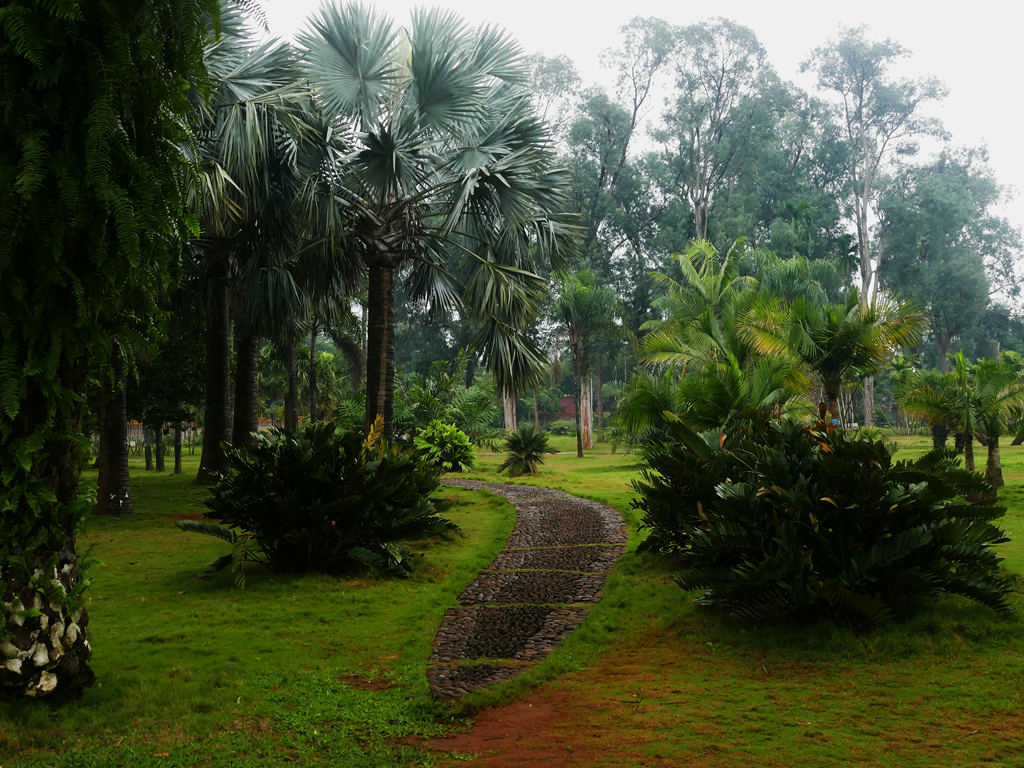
<point x="91" y="174"/>
<point x="882" y="118"/>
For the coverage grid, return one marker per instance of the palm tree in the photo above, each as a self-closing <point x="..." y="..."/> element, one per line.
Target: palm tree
<point x="247" y="149"/>
<point x="720" y="379"/>
<point x="974" y="400"/>
<point x="834" y="341"/>
<point x="449" y="179"/>
<point x="584" y="310"/>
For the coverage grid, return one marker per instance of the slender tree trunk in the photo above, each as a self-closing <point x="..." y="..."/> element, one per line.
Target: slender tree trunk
<point x="587" y="417"/>
<point x="577" y="396"/>
<point x="291" y="401"/>
<point x="598" y="385"/>
<point x="159" y="448"/>
<point x="969" y="451"/>
<point x="993" y="466"/>
<point x="247" y="372"/>
<point x="942" y="350"/>
<point x="148" y="447"/>
<point x="536" y="412"/>
<point x="114" y="492"/>
<point x="380" y="347"/>
<point x="218" y="374"/>
<point x="869" y="401"/>
<point x="177" y="448"/>
<point x="313" y="415"/>
<point x="939" y="434"/>
<point x="511" y="417"/>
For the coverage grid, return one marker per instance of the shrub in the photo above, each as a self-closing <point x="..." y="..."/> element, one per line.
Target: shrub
<point x="324" y="500"/>
<point x="561" y="427"/>
<point x="445" y="447"/>
<point x="525" y="449"/>
<point x="810" y="522"/>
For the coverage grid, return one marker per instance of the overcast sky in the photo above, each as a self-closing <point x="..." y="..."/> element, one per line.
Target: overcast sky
<point x="974" y="47"/>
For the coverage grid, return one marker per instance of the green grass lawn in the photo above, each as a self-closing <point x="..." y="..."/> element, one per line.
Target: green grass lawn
<point x="311" y="670"/>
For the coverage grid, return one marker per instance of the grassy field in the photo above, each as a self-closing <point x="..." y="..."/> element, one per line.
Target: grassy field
<point x="321" y="671"/>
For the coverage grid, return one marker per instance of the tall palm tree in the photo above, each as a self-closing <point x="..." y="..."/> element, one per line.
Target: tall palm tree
<point x="835" y="341"/>
<point x="449" y="179"/>
<point x="584" y="309"/>
<point x="264" y="207"/>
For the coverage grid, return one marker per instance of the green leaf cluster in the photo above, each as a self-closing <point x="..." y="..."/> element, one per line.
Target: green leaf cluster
<point x="327" y="501"/>
<point x="810" y="522"/>
<point x="445" y="447"/>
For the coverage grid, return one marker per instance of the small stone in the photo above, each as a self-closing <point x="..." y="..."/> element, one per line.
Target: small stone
<point x="14" y="665"/>
<point x="47" y="682"/>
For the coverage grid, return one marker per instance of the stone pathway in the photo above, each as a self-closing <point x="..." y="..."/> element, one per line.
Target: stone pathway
<point x="533" y="595"/>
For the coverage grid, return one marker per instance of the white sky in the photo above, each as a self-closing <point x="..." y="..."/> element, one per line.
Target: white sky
<point x="974" y="47"/>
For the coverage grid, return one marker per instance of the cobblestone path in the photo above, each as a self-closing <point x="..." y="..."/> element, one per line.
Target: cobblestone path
<point x="533" y="595"/>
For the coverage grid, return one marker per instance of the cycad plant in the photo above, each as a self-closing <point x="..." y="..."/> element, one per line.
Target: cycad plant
<point x="524" y="451"/>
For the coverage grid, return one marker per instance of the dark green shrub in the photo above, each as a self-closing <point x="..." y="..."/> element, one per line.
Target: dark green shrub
<point x="525" y="449"/>
<point x="445" y="447"/>
<point x="329" y="501"/>
<point x="807" y="522"/>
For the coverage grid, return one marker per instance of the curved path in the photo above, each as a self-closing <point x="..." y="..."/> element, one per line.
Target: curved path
<point x="533" y="595"/>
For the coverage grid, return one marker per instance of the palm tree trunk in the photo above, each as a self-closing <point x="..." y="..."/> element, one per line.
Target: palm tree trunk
<point x="247" y="372"/>
<point x="312" y="372"/>
<point x="993" y="465"/>
<point x="217" y="376"/>
<point x="177" y="448"/>
<point x="148" y="447"/>
<point x="600" y="399"/>
<point x="939" y="434"/>
<point x="114" y="493"/>
<point x="291" y="401"/>
<point x="969" y="451"/>
<point x="536" y="412"/>
<point x="380" y="347"/>
<point x="509" y="401"/>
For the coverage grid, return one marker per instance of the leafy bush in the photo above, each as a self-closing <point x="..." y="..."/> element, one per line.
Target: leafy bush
<point x="525" y="449"/>
<point x="323" y="500"/>
<point x="561" y="427"/>
<point x="810" y="522"/>
<point x="445" y="447"/>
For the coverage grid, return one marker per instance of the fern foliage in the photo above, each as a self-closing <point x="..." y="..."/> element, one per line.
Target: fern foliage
<point x="810" y="522"/>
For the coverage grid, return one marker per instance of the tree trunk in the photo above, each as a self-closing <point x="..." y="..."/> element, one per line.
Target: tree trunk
<point x="536" y="412"/>
<point x="291" y="402"/>
<point x="177" y="448"/>
<point x="511" y="417"/>
<point x="993" y="466"/>
<point x="159" y="447"/>
<point x="218" y="374"/>
<point x="113" y="496"/>
<point x="313" y="415"/>
<point x="380" y="347"/>
<point x="148" y="447"/>
<point x="939" y="434"/>
<point x="969" y="451"/>
<point x="942" y="350"/>
<point x="598" y="385"/>
<point x="587" y="417"/>
<point x="577" y="395"/>
<point x="869" y="401"/>
<point x="247" y="372"/>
